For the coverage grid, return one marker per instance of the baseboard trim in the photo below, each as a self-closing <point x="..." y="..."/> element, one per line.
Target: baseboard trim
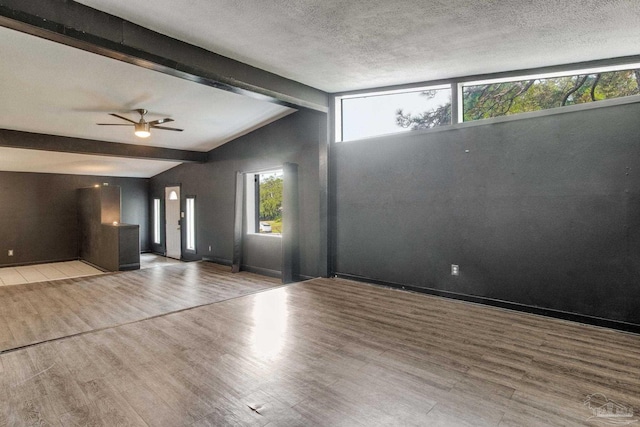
<point x="257" y="270"/>
<point x="22" y="264"/>
<point x="217" y="260"/>
<point x="541" y="311"/>
<point x="130" y="267"/>
<point x="262" y="271"/>
<point x="97" y="267"/>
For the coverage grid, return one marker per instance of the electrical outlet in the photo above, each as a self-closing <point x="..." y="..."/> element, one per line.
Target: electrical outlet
<point x="209" y="248"/>
<point x="10" y="252"/>
<point x="455" y="270"/>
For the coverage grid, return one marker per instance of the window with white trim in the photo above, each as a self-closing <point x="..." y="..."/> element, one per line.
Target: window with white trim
<point x="156" y="221"/>
<point x="377" y="113"/>
<point x="381" y="113"/>
<point x="264" y="202"/>
<point x="503" y="97"/>
<point x="191" y="222"/>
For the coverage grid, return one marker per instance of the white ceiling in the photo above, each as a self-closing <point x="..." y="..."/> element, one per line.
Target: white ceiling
<point x="54" y="89"/>
<point x="338" y="45"/>
<point x="21" y="160"/>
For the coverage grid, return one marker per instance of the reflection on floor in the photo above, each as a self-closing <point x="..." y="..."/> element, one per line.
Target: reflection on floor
<point x="127" y="349"/>
<point x="36" y="312"/>
<point x="153" y="260"/>
<point x="45" y="272"/>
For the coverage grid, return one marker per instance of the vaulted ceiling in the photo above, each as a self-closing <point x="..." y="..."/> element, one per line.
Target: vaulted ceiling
<point x="331" y="45"/>
<point x="50" y="88"/>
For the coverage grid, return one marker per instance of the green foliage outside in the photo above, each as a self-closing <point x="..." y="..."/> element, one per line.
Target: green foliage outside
<point x="276" y="226"/>
<point x="270" y="198"/>
<point x="500" y="99"/>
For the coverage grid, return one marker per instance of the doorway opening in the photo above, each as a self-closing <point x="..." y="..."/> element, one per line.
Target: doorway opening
<point x="173" y="233"/>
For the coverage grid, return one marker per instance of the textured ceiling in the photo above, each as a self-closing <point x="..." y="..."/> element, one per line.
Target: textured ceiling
<point x="338" y="45"/>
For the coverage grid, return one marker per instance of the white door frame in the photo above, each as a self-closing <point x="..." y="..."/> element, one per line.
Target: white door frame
<point x="173" y="233"/>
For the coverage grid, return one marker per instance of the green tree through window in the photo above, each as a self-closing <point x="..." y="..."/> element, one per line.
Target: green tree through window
<point x="438" y="116"/>
<point x="270" y="198"/>
<point x="500" y="99"/>
<point x="270" y="202"/>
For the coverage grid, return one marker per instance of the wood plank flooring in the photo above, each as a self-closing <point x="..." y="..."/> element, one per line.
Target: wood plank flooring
<point x="323" y="352"/>
<point x="150" y="260"/>
<point x="36" y="312"/>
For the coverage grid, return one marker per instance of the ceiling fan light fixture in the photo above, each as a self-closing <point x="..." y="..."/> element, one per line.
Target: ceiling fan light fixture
<point x="142" y="130"/>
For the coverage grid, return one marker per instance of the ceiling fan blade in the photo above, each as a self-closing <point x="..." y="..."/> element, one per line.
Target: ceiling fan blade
<point x="160" y="121"/>
<point x="166" y="128"/>
<point x="113" y="124"/>
<point x="123" y="118"/>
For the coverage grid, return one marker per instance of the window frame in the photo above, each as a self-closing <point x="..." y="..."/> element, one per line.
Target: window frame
<point x="190" y="223"/>
<point x="457" y="93"/>
<point x="157" y="223"/>
<point x="338" y="106"/>
<point x="252" y="201"/>
<point x="538" y="76"/>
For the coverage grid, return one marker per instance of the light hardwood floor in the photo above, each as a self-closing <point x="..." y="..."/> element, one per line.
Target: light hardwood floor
<point x="36" y="312"/>
<point x="149" y="260"/>
<point x="323" y="352"/>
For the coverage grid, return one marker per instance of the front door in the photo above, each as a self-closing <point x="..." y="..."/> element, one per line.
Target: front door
<point x="172" y="217"/>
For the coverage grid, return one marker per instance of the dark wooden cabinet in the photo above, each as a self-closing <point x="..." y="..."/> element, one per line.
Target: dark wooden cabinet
<point x="104" y="241"/>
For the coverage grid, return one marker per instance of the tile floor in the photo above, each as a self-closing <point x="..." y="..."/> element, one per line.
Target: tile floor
<point x="67" y="270"/>
<point x="45" y="272"/>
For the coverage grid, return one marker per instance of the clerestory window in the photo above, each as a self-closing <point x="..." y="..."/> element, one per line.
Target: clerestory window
<point x="377" y="113"/>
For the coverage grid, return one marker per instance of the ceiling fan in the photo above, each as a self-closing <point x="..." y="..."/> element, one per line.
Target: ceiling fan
<point x="142" y="127"/>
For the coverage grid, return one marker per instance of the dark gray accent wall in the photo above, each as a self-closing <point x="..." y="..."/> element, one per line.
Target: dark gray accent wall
<point x="262" y="254"/>
<point x="135" y="206"/>
<point x="290" y="230"/>
<point x="39" y="217"/>
<point x="296" y="139"/>
<point x="543" y="212"/>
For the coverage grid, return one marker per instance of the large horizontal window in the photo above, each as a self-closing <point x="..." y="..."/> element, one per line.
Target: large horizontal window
<point x="364" y="116"/>
<point x="380" y="113"/>
<point x="483" y="100"/>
